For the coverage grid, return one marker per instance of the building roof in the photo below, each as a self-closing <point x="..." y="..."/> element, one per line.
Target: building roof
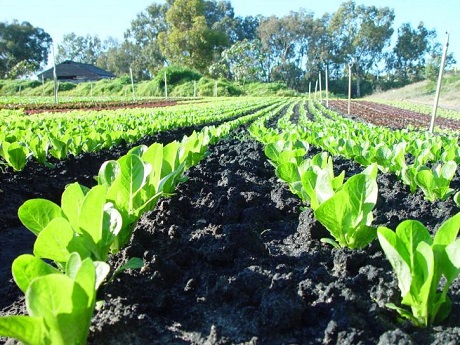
<point x="70" y="70"/>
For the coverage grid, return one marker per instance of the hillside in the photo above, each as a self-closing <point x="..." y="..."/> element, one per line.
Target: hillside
<point x="424" y="93"/>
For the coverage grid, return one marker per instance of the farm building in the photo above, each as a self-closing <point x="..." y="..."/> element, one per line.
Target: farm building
<point x="76" y="72"/>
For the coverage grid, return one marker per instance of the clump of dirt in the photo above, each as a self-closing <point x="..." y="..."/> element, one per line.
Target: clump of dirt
<point x="234" y="258"/>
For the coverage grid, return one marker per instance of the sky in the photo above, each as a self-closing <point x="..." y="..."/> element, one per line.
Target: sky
<point x="112" y="18"/>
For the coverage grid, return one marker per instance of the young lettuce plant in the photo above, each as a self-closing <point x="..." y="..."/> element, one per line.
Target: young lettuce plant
<point x="15" y="154"/>
<point x="420" y="262"/>
<point x="312" y="180"/>
<point x="347" y="215"/>
<point x="85" y="223"/>
<point x="60" y="305"/>
<point x="435" y="182"/>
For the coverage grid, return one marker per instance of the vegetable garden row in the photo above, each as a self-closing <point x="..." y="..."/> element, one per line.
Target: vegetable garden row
<point x="85" y="241"/>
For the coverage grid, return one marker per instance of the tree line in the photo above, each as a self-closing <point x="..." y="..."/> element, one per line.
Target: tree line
<point x="207" y="36"/>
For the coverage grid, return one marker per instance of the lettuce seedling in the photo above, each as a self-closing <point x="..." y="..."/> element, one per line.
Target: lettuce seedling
<point x="420" y="262"/>
<point x="435" y="182"/>
<point x="85" y="223"/>
<point x="60" y="306"/>
<point x="347" y="215"/>
<point x="15" y="154"/>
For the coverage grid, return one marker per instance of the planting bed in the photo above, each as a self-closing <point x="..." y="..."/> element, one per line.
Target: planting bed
<point x="232" y="258"/>
<point x="30" y="109"/>
<point x="387" y="115"/>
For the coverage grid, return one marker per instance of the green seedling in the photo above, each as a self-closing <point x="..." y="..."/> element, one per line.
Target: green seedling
<point x="420" y="263"/>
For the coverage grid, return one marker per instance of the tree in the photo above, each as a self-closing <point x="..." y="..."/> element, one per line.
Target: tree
<point x="142" y="39"/>
<point x="410" y="51"/>
<point x="23" y="49"/>
<point x="245" y="60"/>
<point x="433" y="64"/>
<point x="79" y="48"/>
<point x="360" y="34"/>
<point x="188" y="40"/>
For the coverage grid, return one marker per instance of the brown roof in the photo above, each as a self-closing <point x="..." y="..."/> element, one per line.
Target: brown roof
<point x="70" y="70"/>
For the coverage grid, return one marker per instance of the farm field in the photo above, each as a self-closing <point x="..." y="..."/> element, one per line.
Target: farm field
<point x="233" y="256"/>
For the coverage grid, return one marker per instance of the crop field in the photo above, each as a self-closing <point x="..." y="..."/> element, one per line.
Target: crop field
<point x="228" y="221"/>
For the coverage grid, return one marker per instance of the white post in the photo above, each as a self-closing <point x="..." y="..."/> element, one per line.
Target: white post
<point x="309" y="90"/>
<point x="215" y="89"/>
<point x="166" y="86"/>
<point x="91" y="84"/>
<point x="43" y="86"/>
<point x="327" y="86"/>
<point x="132" y="82"/>
<point x="56" y="86"/>
<point x="349" y="87"/>
<point x="438" y="88"/>
<point x="194" y="88"/>
<point x="316" y="88"/>
<point x="320" y="89"/>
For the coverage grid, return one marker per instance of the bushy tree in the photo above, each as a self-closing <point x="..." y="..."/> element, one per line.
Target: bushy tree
<point x="360" y="34"/>
<point x="143" y="43"/>
<point x="188" y="40"/>
<point x="23" y="49"/>
<point x="408" y="58"/>
<point x="83" y="49"/>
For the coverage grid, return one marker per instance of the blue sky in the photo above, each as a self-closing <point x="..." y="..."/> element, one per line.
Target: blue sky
<point x="111" y="18"/>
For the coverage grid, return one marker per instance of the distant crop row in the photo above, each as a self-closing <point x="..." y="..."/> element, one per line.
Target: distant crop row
<point x="58" y="135"/>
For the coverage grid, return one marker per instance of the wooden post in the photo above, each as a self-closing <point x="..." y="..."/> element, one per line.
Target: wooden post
<point x="56" y="86"/>
<point x="166" y="86"/>
<point x="43" y="86"/>
<point x="327" y="86"/>
<point x="316" y="88"/>
<point x="349" y="87"/>
<point x="132" y="82"/>
<point x="438" y="88"/>
<point x="320" y="89"/>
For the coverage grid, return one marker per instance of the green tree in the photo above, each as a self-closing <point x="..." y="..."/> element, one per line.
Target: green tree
<point x="79" y="48"/>
<point x="408" y="59"/>
<point x="23" y="49"/>
<point x="188" y="40"/>
<point x="433" y="64"/>
<point x="143" y="42"/>
<point x="360" y="34"/>
<point x="243" y="61"/>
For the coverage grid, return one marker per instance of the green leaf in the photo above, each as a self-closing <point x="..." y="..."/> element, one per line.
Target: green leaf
<point x="71" y="203"/>
<point x="53" y="241"/>
<point x="398" y="256"/>
<point x="56" y="298"/>
<point x="15" y="155"/>
<point x="26" y="268"/>
<point x="425" y="273"/>
<point x="411" y="233"/>
<point x="92" y="213"/>
<point x="102" y="270"/>
<point x="26" y="329"/>
<point x="35" y="214"/>
<point x="108" y="172"/>
<point x="288" y="172"/>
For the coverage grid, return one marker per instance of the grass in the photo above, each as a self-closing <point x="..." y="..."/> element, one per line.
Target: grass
<point x="423" y="94"/>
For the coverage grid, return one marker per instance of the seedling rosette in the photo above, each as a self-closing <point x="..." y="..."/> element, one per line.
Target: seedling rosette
<point x="420" y="263"/>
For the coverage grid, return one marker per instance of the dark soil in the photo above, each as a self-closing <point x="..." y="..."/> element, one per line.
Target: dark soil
<point x="233" y="258"/>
